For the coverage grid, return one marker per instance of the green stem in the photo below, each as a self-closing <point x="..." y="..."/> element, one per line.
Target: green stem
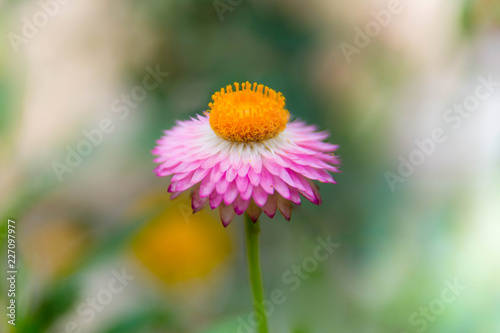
<point x="252" y="244"/>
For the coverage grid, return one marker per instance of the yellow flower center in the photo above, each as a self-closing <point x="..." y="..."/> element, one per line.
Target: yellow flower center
<point x="249" y="113"/>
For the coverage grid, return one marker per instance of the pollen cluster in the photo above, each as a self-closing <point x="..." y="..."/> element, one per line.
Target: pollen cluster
<point x="248" y="113"/>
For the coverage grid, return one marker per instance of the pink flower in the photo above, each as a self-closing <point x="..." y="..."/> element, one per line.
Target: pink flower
<point x="243" y="155"/>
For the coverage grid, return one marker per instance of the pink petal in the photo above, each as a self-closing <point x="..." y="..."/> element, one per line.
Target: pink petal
<point x="285" y="176"/>
<point x="259" y="196"/>
<point x="235" y="156"/>
<point x="211" y="161"/>
<point x="231" y="174"/>
<point x="296" y="181"/>
<point x="197" y="202"/>
<point x="175" y="195"/>
<point x="225" y="164"/>
<point x="187" y="166"/>
<point x="316" y="191"/>
<point x="199" y="174"/>
<point x="231" y="194"/>
<point x="313" y="199"/>
<point x="226" y="213"/>
<point x="294" y="196"/>
<point x="183" y="184"/>
<point x="253" y="211"/>
<point x="312" y="196"/>
<point x="170" y="163"/>
<point x="242" y="183"/>
<point x="216" y="173"/>
<point x="270" y="206"/>
<point x="248" y="193"/>
<point x="273" y="168"/>
<point x="206" y="187"/>
<point x="253" y="177"/>
<point x="326" y="177"/>
<point x="307" y="187"/>
<point x="215" y="199"/>
<point x="240" y="205"/>
<point x="281" y="187"/>
<point x="256" y="163"/>
<point x="221" y="185"/>
<point x="285" y="207"/>
<point x="180" y="176"/>
<point x="266" y="181"/>
<point x="243" y="170"/>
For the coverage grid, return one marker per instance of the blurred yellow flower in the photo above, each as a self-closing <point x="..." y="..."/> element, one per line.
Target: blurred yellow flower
<point x="178" y="246"/>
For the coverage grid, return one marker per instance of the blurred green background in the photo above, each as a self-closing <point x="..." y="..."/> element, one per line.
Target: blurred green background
<point x="66" y="67"/>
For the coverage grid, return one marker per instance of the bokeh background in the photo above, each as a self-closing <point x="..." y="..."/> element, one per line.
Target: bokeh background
<point x="399" y="248"/>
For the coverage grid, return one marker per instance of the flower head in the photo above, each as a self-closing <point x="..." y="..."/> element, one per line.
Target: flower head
<point x="243" y="155"/>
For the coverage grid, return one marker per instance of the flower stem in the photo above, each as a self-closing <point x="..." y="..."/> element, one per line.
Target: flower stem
<point x="252" y="244"/>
